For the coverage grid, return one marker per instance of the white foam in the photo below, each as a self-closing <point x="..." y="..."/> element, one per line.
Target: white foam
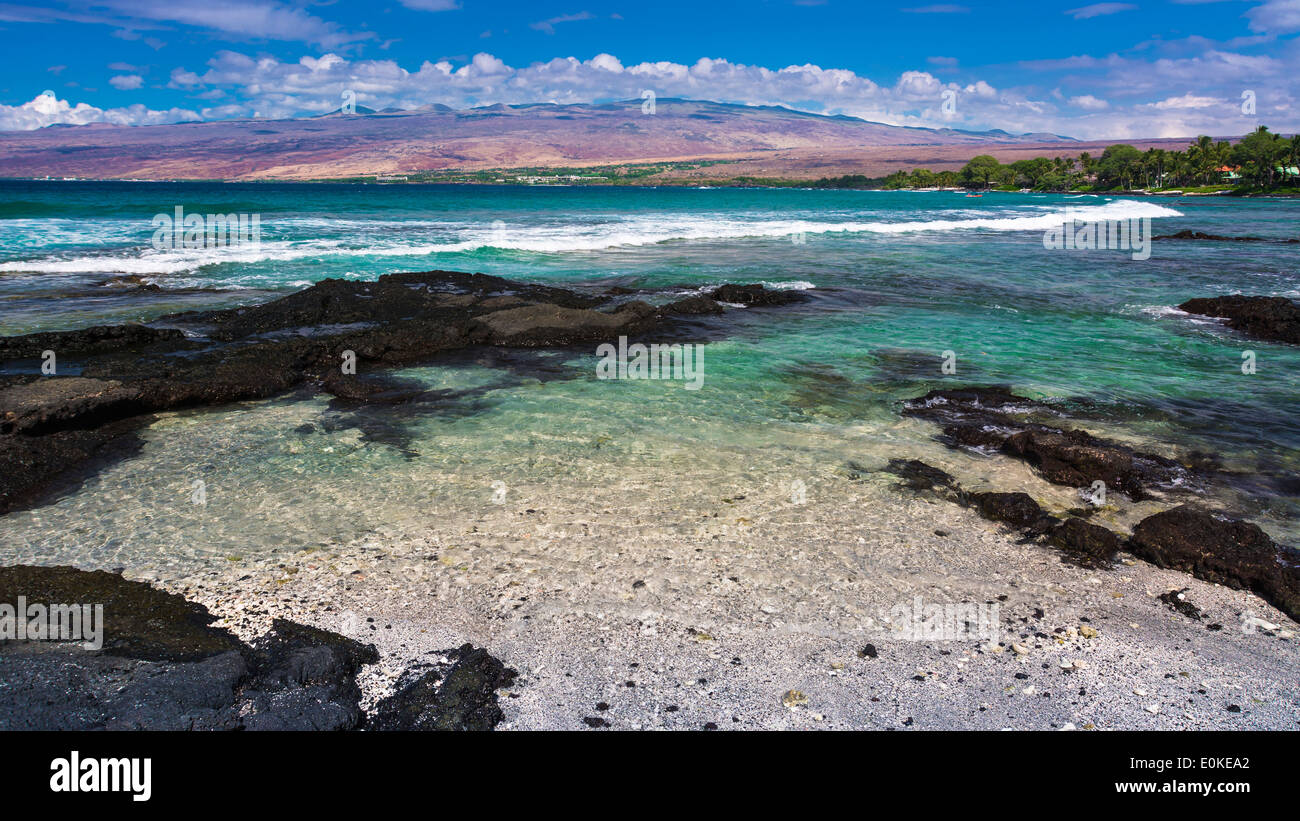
<point x="559" y="238"/>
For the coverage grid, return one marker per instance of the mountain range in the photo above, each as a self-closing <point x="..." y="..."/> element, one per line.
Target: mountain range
<point x="438" y="138"/>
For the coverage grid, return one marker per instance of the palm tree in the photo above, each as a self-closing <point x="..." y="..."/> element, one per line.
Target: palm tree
<point x="1202" y="155"/>
<point x="1160" y="155"/>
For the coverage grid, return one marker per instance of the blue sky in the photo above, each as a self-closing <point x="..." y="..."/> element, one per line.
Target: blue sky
<point x="1167" y="68"/>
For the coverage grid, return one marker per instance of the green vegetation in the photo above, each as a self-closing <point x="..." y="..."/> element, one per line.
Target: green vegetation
<point x="625" y="174"/>
<point x="851" y="181"/>
<point x="1261" y="162"/>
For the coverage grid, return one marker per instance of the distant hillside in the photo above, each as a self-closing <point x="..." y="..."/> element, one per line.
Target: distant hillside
<point x="437" y="138"/>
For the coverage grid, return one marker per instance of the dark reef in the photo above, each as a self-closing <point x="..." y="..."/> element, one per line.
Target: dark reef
<point x="1271" y="318"/>
<point x="163" y="666"/>
<point x="53" y="428"/>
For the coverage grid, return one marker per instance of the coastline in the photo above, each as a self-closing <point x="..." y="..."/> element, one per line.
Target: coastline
<point x="658" y="575"/>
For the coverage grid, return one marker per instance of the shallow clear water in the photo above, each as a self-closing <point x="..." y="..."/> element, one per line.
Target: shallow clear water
<point x="792" y="393"/>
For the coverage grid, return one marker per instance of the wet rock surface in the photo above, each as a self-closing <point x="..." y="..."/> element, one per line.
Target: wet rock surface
<point x="140" y="621"/>
<point x="1216" y="548"/>
<point x="99" y="339"/>
<point x="1204" y="237"/>
<point x="163" y="666"/>
<point x="34" y="468"/>
<point x="54" y="426"/>
<point x="1209" y="545"/>
<point x="917" y="475"/>
<point x="755" y="295"/>
<point x="1271" y="318"/>
<point x="992" y="419"/>
<point x="1016" y="509"/>
<point x="1080" y="542"/>
<point x="1087" y="544"/>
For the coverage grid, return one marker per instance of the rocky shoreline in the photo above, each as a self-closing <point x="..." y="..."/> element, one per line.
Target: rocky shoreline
<point x="108" y="379"/>
<point x="164" y="666"/>
<point x="1209" y="544"/>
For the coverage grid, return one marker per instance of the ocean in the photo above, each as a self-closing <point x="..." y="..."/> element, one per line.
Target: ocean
<point x="899" y="283"/>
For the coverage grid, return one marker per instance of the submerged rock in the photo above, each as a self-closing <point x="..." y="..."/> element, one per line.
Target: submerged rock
<point x="1080" y="541"/>
<point x="533" y="325"/>
<point x="1077" y="458"/>
<point x="1219" y="549"/>
<point x="917" y="475"/>
<point x="1087" y="544"/>
<point x="694" y="306"/>
<point x="1201" y="235"/>
<point x="1272" y="318"/>
<point x="52" y="427"/>
<point x="755" y="295"/>
<point x="35" y="468"/>
<point x="993" y="419"/>
<point x="1016" y="509"/>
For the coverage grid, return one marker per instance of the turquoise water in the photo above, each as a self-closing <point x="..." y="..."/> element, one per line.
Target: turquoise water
<point x="895" y="280"/>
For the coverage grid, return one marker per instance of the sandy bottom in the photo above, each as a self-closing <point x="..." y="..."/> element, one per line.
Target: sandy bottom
<point x="656" y="581"/>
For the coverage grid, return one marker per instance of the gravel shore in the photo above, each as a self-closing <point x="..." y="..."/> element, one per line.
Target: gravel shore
<point x="705" y="610"/>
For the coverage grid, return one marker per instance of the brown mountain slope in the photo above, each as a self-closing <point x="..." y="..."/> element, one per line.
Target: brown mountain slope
<point x="440" y="138"/>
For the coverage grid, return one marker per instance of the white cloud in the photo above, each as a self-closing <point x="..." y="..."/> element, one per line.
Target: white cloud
<point x="1089" y="103"/>
<point x="1275" y="17"/>
<point x="237" y="19"/>
<point x="1187" y="101"/>
<point x="548" y="26"/>
<point x="1099" y="10"/>
<point x="431" y="5"/>
<point x="1103" y="97"/>
<point x="126" y="82"/>
<point x="48" y="110"/>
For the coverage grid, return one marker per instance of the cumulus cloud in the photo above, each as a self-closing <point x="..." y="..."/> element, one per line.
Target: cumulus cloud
<point x="1089" y="103"/>
<point x="1109" y="97"/>
<point x="1095" y="97"/>
<point x="48" y="110"/>
<point x="126" y="82"/>
<point x="1275" y="17"/>
<point x="1187" y="101"/>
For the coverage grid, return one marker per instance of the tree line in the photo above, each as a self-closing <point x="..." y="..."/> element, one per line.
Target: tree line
<point x="1261" y="160"/>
